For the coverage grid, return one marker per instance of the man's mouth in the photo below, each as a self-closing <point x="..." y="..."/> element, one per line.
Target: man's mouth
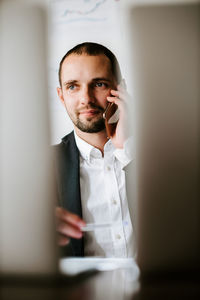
<point x="89" y="112"/>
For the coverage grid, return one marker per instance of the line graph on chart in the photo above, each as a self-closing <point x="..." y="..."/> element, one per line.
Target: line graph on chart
<point x="76" y="11"/>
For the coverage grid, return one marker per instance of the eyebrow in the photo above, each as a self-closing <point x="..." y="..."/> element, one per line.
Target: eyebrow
<point x="93" y="80"/>
<point x="101" y="79"/>
<point x="70" y="82"/>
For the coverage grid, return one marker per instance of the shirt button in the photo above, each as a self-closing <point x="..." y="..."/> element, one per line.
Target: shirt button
<point x="108" y="168"/>
<point x="118" y="236"/>
<point x="114" y="202"/>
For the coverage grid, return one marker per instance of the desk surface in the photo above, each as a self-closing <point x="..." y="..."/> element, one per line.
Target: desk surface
<point x="110" y="285"/>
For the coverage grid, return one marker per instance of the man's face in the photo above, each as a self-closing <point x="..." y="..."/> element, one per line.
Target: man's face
<point x="86" y="82"/>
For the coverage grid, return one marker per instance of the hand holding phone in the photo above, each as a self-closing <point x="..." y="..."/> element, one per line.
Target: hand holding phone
<point x="116" y="115"/>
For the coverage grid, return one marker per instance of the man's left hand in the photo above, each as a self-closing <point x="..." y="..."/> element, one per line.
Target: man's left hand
<point x="120" y="97"/>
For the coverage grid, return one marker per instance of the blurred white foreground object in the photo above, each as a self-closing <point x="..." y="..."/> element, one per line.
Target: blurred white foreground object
<point x="74" y="266"/>
<point x="166" y="75"/>
<point x="27" y="242"/>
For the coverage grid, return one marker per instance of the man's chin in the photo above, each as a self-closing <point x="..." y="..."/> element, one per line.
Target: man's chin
<point x="90" y="126"/>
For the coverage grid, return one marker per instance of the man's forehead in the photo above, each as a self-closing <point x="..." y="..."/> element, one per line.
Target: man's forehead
<point x="73" y="57"/>
<point x="98" y="64"/>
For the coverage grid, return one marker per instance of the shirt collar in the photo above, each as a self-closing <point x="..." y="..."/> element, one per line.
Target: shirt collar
<point x="88" y="151"/>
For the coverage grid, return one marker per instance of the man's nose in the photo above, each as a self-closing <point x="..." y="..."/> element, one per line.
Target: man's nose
<point x="86" y="95"/>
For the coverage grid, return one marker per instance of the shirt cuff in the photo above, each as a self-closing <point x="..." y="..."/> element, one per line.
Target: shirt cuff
<point x="125" y="155"/>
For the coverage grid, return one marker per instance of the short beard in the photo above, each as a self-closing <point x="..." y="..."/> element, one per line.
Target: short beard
<point x="94" y="127"/>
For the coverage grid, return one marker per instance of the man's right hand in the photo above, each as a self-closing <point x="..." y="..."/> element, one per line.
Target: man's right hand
<point x="68" y="226"/>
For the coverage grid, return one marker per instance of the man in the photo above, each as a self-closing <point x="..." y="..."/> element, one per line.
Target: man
<point x="89" y="166"/>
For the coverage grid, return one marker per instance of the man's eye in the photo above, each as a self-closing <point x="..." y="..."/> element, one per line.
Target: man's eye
<point x="71" y="87"/>
<point x="100" y="84"/>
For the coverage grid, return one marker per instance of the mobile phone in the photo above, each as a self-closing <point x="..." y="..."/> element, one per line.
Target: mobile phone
<point x="111" y="116"/>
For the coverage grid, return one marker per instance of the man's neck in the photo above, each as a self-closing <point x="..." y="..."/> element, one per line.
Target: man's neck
<point x="97" y="139"/>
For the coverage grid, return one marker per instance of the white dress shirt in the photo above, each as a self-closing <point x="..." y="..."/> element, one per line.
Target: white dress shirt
<point x="103" y="199"/>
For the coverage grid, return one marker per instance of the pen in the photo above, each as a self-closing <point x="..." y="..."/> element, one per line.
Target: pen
<point x="94" y="226"/>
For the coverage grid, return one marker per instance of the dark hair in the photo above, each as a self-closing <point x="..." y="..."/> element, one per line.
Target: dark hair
<point x="94" y="49"/>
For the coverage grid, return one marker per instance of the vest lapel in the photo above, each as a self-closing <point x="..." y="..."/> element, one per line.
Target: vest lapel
<point x="68" y="175"/>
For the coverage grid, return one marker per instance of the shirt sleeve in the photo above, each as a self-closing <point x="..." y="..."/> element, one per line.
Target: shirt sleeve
<point x="125" y="155"/>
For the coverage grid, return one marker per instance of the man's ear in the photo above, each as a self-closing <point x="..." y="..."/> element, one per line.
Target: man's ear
<point x="60" y="95"/>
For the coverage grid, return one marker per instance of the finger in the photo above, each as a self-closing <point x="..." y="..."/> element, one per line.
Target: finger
<point x="63" y="240"/>
<point x="123" y="95"/>
<point x="114" y="100"/>
<point x="68" y="217"/>
<point x="118" y="102"/>
<point x="69" y="230"/>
